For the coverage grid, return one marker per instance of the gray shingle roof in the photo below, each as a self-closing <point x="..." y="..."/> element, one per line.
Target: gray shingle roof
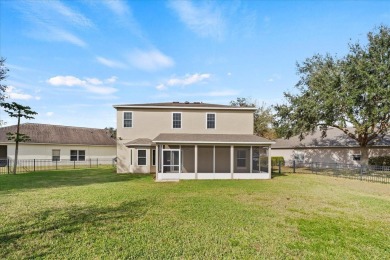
<point x="211" y="138"/>
<point x="334" y="138"/>
<point x="140" y="142"/>
<point x="58" y="134"/>
<point x="185" y="105"/>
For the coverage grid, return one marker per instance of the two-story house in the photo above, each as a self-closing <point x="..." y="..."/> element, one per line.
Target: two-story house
<point x="191" y="141"/>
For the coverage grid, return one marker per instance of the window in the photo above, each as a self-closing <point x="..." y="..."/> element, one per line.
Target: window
<point x="153" y="157"/>
<point x="55" y="155"/>
<point x="127" y="119"/>
<point x="210" y="121"/>
<point x="356" y="157"/>
<point x="77" y="155"/>
<point x="299" y="157"/>
<point x="141" y="157"/>
<point x="241" y="158"/>
<point x="176" y="120"/>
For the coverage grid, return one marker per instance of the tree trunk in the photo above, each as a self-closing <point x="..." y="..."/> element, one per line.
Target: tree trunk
<point x="364" y="155"/>
<point x="16" y="146"/>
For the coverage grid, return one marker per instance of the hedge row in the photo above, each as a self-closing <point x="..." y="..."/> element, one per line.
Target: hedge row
<point x="379" y="160"/>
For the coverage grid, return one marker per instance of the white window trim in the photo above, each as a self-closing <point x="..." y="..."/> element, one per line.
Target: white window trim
<point x="215" y="120"/>
<point x="242" y="149"/>
<point x="78" y="155"/>
<point x="146" y="157"/>
<point x="52" y="154"/>
<point x="181" y="120"/>
<point x="123" y="119"/>
<point x="154" y="162"/>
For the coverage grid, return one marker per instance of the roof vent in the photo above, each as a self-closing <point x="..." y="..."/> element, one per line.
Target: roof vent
<point x="175" y="102"/>
<point x="197" y="102"/>
<point x="187" y="102"/>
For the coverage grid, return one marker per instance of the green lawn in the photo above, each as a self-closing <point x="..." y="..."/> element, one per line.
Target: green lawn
<point x="96" y="213"/>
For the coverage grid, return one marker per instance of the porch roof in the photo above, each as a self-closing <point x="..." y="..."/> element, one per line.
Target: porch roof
<point x="140" y="142"/>
<point x="211" y="139"/>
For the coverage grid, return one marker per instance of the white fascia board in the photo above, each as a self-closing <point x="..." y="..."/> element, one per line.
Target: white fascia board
<point x="200" y="108"/>
<point x="202" y="142"/>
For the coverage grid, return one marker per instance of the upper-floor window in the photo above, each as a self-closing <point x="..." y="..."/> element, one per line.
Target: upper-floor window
<point x="210" y="120"/>
<point x="176" y="120"/>
<point x="77" y="155"/>
<point x="127" y="119"/>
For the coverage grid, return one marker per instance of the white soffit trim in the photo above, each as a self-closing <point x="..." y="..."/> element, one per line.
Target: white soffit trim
<point x="179" y="107"/>
<point x="204" y="142"/>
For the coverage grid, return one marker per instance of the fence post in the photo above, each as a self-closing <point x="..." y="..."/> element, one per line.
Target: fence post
<point x="74" y="164"/>
<point x="97" y="162"/>
<point x="8" y="165"/>
<point x="90" y="163"/>
<point x="361" y="172"/>
<point x="280" y="166"/>
<point x="56" y="164"/>
<point x="311" y="165"/>
<point x="34" y="165"/>
<point x="294" y="166"/>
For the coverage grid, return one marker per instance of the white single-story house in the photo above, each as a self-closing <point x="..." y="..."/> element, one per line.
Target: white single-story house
<point x="336" y="147"/>
<point x="57" y="143"/>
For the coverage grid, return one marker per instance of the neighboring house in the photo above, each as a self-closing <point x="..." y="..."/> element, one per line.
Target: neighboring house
<point x="56" y="142"/>
<point x="336" y="147"/>
<point x="190" y="141"/>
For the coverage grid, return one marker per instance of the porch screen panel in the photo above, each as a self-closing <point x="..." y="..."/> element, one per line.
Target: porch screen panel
<point x="205" y="159"/>
<point x="222" y="159"/>
<point x="188" y="159"/>
<point x="241" y="159"/>
<point x="264" y="159"/>
<point x="255" y="159"/>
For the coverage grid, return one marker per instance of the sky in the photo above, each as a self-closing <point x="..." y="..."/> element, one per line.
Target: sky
<point x="71" y="61"/>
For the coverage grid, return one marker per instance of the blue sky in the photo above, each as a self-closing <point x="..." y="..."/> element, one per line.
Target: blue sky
<point x="72" y="60"/>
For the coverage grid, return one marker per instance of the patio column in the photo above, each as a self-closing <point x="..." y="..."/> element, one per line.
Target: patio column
<point x="269" y="162"/>
<point x="231" y="161"/>
<point x="196" y="161"/>
<point x="157" y="161"/>
<point x="214" y="159"/>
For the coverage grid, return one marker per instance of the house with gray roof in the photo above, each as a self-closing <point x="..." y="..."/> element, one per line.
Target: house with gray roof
<point x="57" y="143"/>
<point x="336" y="147"/>
<point x="190" y="140"/>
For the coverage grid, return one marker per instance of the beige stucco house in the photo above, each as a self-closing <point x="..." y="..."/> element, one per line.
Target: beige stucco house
<point x="190" y="141"/>
<point x="336" y="147"/>
<point x="58" y="143"/>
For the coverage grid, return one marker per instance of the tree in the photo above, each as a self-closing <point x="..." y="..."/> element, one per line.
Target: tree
<point x="16" y="110"/>
<point x="111" y="131"/>
<point x="351" y="94"/>
<point x="3" y="76"/>
<point x="263" y="118"/>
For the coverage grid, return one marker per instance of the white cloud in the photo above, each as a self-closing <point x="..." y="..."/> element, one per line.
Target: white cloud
<point x="117" y="6"/>
<point x="150" y="60"/>
<point x="110" y="63"/>
<point x="274" y="77"/>
<point x="188" y="79"/>
<point x="13" y="93"/>
<point x="92" y="85"/>
<point x="184" y="81"/>
<point x="229" y="74"/>
<point x="49" y="113"/>
<point x="161" y="87"/>
<point x="111" y="80"/>
<point x="205" y="20"/>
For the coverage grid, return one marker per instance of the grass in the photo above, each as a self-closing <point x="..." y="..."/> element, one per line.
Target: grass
<point x="96" y="213"/>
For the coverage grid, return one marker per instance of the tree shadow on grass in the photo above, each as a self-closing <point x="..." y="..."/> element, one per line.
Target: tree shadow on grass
<point x="54" y="179"/>
<point x="61" y="224"/>
<point x="277" y="174"/>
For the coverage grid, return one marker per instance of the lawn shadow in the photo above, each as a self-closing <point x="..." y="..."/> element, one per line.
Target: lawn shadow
<point x="276" y="175"/>
<point x="59" y="224"/>
<point x="64" y="178"/>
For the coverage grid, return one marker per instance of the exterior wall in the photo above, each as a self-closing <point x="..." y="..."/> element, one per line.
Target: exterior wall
<point x="150" y="122"/>
<point x="328" y="155"/>
<point x="44" y="151"/>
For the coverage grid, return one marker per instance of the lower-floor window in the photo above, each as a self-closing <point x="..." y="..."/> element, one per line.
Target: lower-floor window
<point x="77" y="155"/>
<point x="141" y="157"/>
<point x="241" y="158"/>
<point x="356" y="157"/>
<point x="55" y="155"/>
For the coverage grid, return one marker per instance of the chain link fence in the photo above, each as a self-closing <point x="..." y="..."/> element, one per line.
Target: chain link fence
<point x="373" y="173"/>
<point x="32" y="165"/>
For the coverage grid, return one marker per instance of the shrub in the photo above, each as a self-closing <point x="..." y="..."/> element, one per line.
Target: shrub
<point x="276" y="159"/>
<point x="379" y="160"/>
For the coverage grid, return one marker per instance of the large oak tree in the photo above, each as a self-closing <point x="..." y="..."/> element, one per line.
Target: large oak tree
<point x="351" y="94"/>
